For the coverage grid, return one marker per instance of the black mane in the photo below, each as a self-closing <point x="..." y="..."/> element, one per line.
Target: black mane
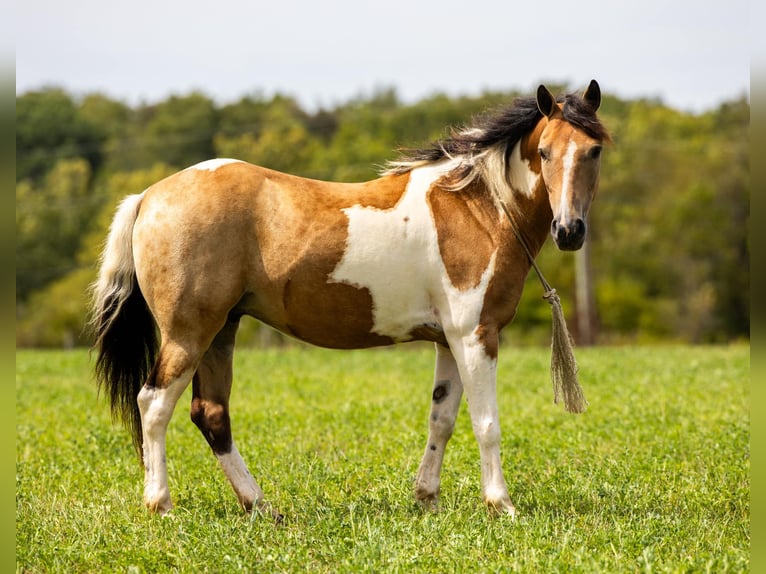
<point x="503" y="128"/>
<point x="581" y="114"/>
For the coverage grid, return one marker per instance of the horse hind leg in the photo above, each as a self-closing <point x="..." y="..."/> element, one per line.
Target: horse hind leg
<point x="156" y="401"/>
<point x="447" y="392"/>
<point x="210" y="412"/>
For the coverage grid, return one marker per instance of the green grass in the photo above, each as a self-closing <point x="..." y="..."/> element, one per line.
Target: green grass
<point x="654" y="477"/>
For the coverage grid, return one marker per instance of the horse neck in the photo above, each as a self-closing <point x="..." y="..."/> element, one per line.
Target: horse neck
<point x="528" y="196"/>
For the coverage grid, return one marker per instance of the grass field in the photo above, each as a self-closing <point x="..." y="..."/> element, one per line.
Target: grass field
<point x="654" y="477"/>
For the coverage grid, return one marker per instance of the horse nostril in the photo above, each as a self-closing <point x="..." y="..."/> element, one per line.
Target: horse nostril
<point x="570" y="235"/>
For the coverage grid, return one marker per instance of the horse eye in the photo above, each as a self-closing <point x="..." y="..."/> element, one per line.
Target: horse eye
<point x="543" y="154"/>
<point x="595" y="152"/>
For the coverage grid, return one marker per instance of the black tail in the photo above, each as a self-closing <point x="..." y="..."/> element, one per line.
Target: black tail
<point x="126" y="335"/>
<point x="127" y="349"/>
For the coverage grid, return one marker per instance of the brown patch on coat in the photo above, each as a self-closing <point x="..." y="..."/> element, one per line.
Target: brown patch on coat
<point x="212" y="419"/>
<point x="462" y="221"/>
<point x="528" y="146"/>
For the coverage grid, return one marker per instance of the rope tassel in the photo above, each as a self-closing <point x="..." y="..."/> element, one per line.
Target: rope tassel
<point x="563" y="363"/>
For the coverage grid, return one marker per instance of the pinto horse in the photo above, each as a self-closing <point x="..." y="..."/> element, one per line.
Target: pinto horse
<point x="425" y="252"/>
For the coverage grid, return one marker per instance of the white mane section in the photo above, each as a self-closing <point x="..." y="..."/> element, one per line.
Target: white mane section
<point x="503" y="178"/>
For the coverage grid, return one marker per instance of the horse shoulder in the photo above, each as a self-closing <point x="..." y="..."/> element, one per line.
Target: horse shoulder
<point x="464" y="232"/>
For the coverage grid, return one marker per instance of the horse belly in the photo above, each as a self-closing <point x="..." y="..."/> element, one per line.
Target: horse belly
<point x="328" y="313"/>
<point x="377" y="293"/>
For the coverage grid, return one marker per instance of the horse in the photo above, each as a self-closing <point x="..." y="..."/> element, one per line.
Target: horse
<point x="423" y="252"/>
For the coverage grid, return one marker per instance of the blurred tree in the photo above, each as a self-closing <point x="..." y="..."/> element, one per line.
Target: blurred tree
<point x="55" y="316"/>
<point x="110" y="117"/>
<point x="244" y="116"/>
<point x="276" y="138"/>
<point x="50" y="218"/>
<point x="112" y="120"/>
<point x="671" y="219"/>
<point x="49" y="127"/>
<point x="323" y="125"/>
<point x="111" y="191"/>
<point x="181" y="130"/>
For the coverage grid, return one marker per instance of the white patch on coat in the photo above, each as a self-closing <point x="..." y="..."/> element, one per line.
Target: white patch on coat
<point x="566" y="181"/>
<point x="214" y="164"/>
<point x="523" y="179"/>
<point x="394" y="253"/>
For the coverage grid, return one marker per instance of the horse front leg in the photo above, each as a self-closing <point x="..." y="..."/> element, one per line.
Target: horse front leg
<point x="476" y="359"/>
<point x="445" y="402"/>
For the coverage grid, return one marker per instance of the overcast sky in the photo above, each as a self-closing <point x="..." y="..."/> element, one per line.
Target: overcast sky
<point x="692" y="55"/>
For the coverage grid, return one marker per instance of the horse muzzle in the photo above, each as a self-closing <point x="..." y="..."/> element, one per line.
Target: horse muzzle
<point x="570" y="235"/>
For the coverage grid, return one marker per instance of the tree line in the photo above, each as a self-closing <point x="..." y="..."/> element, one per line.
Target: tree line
<point x="669" y="250"/>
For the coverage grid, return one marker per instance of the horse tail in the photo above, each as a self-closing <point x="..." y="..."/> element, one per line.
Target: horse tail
<point x="126" y="335"/>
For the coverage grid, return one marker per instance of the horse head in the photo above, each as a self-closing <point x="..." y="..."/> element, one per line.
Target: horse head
<point x="570" y="152"/>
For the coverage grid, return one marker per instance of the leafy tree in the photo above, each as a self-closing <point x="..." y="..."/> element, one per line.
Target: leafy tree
<point x="276" y="139"/>
<point x="50" y="218"/>
<point x="181" y="130"/>
<point x="113" y="121"/>
<point x="111" y="191"/>
<point x="670" y="226"/>
<point x="49" y="127"/>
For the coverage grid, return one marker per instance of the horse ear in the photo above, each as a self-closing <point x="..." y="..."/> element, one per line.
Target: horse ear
<point x="592" y="95"/>
<point x="546" y="101"/>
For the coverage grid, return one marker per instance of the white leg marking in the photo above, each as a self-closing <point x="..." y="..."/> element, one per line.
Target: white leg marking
<point x="156" y="406"/>
<point x="448" y="391"/>
<point x="248" y="492"/>
<point x="478" y="372"/>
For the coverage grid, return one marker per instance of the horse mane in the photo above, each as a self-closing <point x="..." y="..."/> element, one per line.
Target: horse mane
<point x="483" y="149"/>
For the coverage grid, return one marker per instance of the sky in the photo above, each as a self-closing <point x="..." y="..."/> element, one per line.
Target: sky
<point x="690" y="55"/>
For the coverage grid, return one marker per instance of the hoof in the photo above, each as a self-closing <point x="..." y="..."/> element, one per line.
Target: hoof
<point x="161" y="507"/>
<point x="427" y="496"/>
<point x="501" y="506"/>
<point x="429" y="503"/>
<point x="265" y="509"/>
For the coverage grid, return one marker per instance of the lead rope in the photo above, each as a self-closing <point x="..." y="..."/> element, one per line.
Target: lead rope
<point x="563" y="363"/>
